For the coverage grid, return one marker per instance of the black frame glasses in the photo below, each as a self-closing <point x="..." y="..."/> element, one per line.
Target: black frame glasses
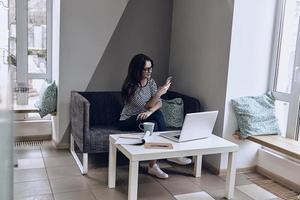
<point x="149" y="69"/>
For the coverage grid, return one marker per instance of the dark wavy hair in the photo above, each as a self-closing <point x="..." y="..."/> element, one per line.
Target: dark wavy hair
<point x="134" y="76"/>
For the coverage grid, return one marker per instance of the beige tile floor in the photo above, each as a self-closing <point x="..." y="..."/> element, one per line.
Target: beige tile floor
<point x="48" y="174"/>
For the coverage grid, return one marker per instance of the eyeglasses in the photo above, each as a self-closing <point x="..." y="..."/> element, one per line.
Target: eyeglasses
<point x="149" y="69"/>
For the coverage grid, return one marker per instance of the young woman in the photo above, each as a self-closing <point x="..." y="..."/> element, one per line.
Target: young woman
<point x="142" y="103"/>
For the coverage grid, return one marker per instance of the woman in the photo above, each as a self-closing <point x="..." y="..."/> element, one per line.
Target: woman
<point x="142" y="103"/>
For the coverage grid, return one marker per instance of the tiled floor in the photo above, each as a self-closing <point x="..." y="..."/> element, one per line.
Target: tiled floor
<point x="48" y="174"/>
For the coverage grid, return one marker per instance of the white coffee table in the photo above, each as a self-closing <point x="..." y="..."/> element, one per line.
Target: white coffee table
<point x="197" y="148"/>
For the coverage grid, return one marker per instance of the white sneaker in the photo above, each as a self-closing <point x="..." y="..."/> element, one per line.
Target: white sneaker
<point x="156" y="171"/>
<point x="181" y="160"/>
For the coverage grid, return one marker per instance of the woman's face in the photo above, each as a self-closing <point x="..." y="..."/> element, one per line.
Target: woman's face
<point x="147" y="71"/>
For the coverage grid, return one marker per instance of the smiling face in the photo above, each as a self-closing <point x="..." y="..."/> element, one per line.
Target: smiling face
<point x="147" y="71"/>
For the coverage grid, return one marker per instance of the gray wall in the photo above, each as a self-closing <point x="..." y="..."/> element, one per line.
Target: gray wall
<point x="199" y="54"/>
<point x="145" y="27"/>
<point x="85" y="30"/>
<point x="97" y="41"/>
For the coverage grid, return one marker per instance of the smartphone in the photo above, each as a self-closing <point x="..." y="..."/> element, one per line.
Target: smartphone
<point x="168" y="80"/>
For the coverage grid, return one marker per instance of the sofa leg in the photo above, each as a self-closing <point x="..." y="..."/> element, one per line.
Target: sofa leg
<point x="82" y="166"/>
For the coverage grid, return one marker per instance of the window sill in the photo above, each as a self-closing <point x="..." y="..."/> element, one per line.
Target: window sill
<point x="278" y="143"/>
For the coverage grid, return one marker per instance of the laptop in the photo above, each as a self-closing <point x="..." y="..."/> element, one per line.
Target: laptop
<point x="195" y="126"/>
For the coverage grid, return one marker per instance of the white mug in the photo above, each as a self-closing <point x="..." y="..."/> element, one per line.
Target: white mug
<point x="147" y="126"/>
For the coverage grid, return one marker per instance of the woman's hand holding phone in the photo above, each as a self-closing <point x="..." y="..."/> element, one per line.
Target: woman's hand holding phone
<point x="163" y="89"/>
<point x="168" y="80"/>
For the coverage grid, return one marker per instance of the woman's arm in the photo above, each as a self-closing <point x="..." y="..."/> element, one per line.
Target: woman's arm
<point x="146" y="114"/>
<point x="156" y="107"/>
<point x="153" y="101"/>
<point x="156" y="97"/>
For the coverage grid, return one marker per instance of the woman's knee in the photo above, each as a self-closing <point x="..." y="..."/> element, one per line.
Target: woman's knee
<point x="158" y="125"/>
<point x="158" y="116"/>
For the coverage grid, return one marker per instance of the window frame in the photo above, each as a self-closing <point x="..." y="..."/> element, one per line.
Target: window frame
<point x="22" y="75"/>
<point x="291" y="98"/>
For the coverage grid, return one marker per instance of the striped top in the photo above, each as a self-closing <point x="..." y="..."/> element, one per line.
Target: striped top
<point x="141" y="97"/>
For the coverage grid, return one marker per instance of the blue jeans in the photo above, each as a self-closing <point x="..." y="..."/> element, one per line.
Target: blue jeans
<point x="132" y="124"/>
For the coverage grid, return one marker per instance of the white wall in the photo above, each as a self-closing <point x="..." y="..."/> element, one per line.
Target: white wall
<point x="55" y="57"/>
<point x="199" y="54"/>
<point x="279" y="165"/>
<point x="250" y="53"/>
<point x="85" y="30"/>
<point x="55" y="39"/>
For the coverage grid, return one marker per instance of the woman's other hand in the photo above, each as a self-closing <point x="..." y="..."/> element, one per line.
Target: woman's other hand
<point x="144" y="115"/>
<point x="163" y="89"/>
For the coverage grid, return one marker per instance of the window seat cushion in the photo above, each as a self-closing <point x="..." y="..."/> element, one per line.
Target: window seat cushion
<point x="256" y="115"/>
<point x="48" y="101"/>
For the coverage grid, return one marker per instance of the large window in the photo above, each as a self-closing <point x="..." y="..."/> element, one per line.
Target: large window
<point x="30" y="47"/>
<point x="286" y="74"/>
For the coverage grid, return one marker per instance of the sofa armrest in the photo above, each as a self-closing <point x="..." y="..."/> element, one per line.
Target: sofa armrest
<point x="79" y="114"/>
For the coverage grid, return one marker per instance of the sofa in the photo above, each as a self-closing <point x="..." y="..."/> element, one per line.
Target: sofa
<point x="94" y="116"/>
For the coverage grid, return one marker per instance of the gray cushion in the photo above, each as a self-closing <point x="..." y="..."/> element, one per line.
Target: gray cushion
<point x="100" y="137"/>
<point x="47" y="103"/>
<point x="256" y="115"/>
<point x="173" y="112"/>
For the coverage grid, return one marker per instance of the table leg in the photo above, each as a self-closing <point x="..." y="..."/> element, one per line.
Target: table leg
<point x="112" y="165"/>
<point x="133" y="180"/>
<point x="197" y="165"/>
<point x="230" y="177"/>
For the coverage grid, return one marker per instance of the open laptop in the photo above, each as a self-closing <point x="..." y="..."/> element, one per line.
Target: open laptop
<point x="195" y="126"/>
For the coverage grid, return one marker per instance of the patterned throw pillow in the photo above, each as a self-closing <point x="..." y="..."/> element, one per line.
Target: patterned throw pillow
<point x="47" y="103"/>
<point x="256" y="115"/>
<point x="173" y="112"/>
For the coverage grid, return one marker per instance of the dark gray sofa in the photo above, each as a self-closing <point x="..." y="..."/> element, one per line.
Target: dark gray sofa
<point x="94" y="115"/>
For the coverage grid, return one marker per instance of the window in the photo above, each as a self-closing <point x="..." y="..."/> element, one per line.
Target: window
<point x="285" y="77"/>
<point x="30" y="47"/>
<point x="4" y="75"/>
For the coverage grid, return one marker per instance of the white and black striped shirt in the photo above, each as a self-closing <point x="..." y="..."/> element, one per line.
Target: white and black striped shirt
<point x="140" y="98"/>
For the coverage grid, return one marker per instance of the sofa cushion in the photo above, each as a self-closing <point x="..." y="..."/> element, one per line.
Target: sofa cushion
<point x="99" y="136"/>
<point x="173" y="112"/>
<point x="191" y="105"/>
